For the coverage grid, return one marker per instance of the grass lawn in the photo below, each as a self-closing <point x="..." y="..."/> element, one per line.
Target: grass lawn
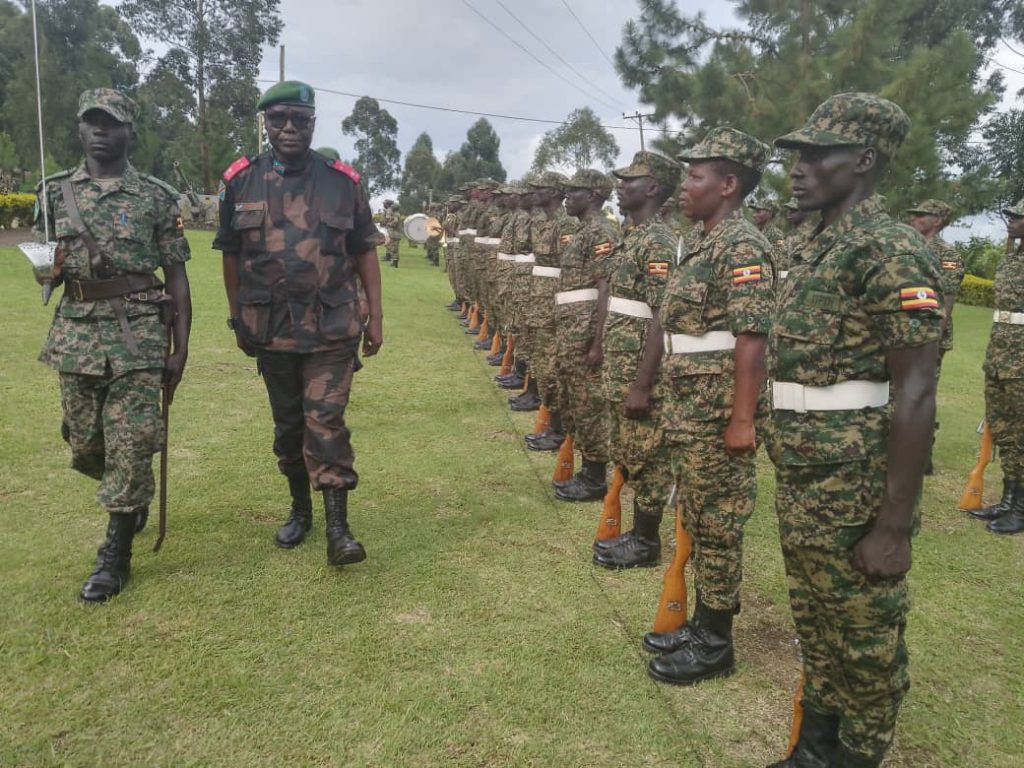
<point x="476" y="634"/>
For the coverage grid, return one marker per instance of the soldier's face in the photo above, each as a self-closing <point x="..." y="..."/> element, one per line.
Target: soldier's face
<point x="633" y="193"/>
<point x="824" y="176"/>
<point x="103" y="137"/>
<point x="1015" y="226"/>
<point x="290" y="129"/>
<point x="761" y="216"/>
<point x="576" y="201"/>
<point x="795" y="218"/>
<point x="702" y="191"/>
<point x="925" y="223"/>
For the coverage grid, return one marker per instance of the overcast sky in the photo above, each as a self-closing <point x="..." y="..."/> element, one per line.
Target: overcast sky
<point x="441" y="53"/>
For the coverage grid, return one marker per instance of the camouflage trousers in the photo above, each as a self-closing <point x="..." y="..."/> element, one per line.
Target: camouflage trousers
<point x="114" y="428"/>
<point x="394" y="243"/>
<point x="503" y="295"/>
<point x="541" y="353"/>
<point x="638" y="446"/>
<point x="308" y="396"/>
<point x="433" y="249"/>
<point x="580" y="391"/>
<point x="1004" y="409"/>
<point x="716" y="493"/>
<point x="451" y="268"/>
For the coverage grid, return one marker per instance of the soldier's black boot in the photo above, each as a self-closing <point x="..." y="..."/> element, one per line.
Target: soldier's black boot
<point x="818" y="742"/>
<point x="387" y="256"/>
<point x="484" y="343"/>
<point x="1011" y="489"/>
<point x="113" y="562"/>
<point x="300" y="520"/>
<point x="708" y="655"/>
<point x="528" y="400"/>
<point x="668" y="642"/>
<point x="141" y="518"/>
<point x="847" y="759"/>
<point x="1013" y="520"/>
<point x="588" y="484"/>
<point x="640" y="548"/>
<point x="550" y="439"/>
<point x="342" y="547"/>
<point x="394" y="262"/>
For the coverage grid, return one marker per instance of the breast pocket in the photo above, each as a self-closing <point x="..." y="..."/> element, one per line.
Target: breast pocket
<point x="254" y="313"/>
<point x="806" y="345"/>
<point x="250" y="226"/>
<point x="334" y="229"/>
<point x="339" y="318"/>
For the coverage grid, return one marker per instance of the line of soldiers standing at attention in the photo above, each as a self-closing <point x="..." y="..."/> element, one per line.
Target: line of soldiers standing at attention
<point x="671" y="349"/>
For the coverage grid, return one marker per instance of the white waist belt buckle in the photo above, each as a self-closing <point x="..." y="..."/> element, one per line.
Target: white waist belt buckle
<point x="505" y="256"/>
<point x="572" y="297"/>
<point x="844" y="396"/>
<point x="712" y="341"/>
<point x="1010" y="318"/>
<point x="629" y="307"/>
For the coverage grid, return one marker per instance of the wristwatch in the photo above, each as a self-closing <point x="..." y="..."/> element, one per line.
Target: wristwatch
<point x="233" y="323"/>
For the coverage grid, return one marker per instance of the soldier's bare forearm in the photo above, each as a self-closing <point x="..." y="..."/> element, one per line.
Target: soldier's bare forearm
<point x="749" y="375"/>
<point x="368" y="269"/>
<point x="230" y="268"/>
<point x="181" y="296"/>
<point x="654" y="348"/>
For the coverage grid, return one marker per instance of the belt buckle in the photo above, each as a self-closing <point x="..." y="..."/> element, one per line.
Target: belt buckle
<point x="76" y="290"/>
<point x="1004" y="316"/>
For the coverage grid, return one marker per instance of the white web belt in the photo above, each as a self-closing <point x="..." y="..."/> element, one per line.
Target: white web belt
<point x="844" y="396"/>
<point x="573" y="297"/>
<point x="712" y="341"/>
<point x="629" y="307"/>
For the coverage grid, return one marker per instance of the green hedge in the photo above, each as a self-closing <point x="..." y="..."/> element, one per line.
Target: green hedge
<point x="16" y="206"/>
<point x="976" y="291"/>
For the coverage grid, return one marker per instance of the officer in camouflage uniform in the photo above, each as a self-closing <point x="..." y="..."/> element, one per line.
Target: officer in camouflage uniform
<point x="632" y="288"/>
<point x="1004" y="380"/>
<point x="296" y="234"/>
<point x="715" y="315"/>
<point x="852" y="353"/>
<point x="581" y="398"/>
<point x="391" y="220"/>
<point x="801" y="228"/>
<point x="451" y="248"/>
<point x="108" y="342"/>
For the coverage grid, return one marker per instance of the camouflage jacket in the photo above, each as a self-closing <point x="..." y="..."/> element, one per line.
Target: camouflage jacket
<point x="582" y="253"/>
<point x="297" y="234"/>
<point x="391" y="219"/>
<point x="951" y="274"/>
<point x="521" y="231"/>
<point x="451" y="225"/>
<point x="793" y="244"/>
<point x="491" y="222"/>
<point x="1005" y="356"/>
<point x="468" y="216"/>
<point x="723" y="283"/>
<point x="138" y="229"/>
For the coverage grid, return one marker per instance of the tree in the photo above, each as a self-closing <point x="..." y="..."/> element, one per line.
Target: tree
<point x="377" y="155"/>
<point x="1003" y="154"/>
<point x="792" y="54"/>
<point x="221" y="40"/>
<point x="421" y="171"/>
<point x="480" y="152"/>
<point x="580" y="142"/>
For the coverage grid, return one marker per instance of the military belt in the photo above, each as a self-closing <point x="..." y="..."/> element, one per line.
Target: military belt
<point x="547" y="272"/>
<point x="685" y="344"/>
<point x="525" y="258"/>
<point x="783" y="273"/>
<point x="451" y="241"/>
<point x="844" y="396"/>
<point x="629" y="307"/>
<point x="124" y="286"/>
<point x="574" y="297"/>
<point x="487" y="240"/>
<point x="470" y="232"/>
<point x="1010" y="318"/>
<point x="506" y="257"/>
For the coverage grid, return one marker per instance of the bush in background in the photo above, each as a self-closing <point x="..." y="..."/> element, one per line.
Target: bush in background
<point x="16" y="206"/>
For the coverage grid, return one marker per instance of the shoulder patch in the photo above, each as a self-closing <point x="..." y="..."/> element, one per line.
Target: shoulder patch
<point x="751" y="273"/>
<point x="163" y="185"/>
<point x="950" y="264"/>
<point x="348" y="170"/>
<point x="565" y="239"/>
<point x="237" y="167"/>
<point x="603" y="249"/>
<point x="657" y="268"/>
<point x="918" y="297"/>
<point x="56" y="177"/>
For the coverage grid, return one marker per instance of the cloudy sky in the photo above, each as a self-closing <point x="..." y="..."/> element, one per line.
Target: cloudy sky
<point x="444" y="54"/>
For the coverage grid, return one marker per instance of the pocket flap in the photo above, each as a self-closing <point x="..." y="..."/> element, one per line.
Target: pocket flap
<point x="253" y="295"/>
<point x="336" y="220"/>
<point x="247" y="219"/>
<point x="335" y="297"/>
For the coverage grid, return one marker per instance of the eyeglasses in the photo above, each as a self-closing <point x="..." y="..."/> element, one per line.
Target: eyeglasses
<point x="278" y="120"/>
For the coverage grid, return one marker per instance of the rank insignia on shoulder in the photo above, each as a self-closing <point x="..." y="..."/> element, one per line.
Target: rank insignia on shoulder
<point x="603" y="249"/>
<point x="918" y="297"/>
<point x="348" y="170"/>
<point x="748" y="274"/>
<point x="657" y="268"/>
<point x="237" y="167"/>
<point x="950" y="265"/>
<point x="565" y="239"/>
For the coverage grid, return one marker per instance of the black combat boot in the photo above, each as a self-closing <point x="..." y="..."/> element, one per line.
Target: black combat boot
<point x="497" y="358"/>
<point x="847" y="759"/>
<point x="668" y="642"/>
<point x="1013" y="520"/>
<point x="394" y="262"/>
<point x="300" y="520"/>
<point x="455" y="306"/>
<point x="639" y="548"/>
<point x="550" y="439"/>
<point x="484" y="343"/>
<point x="708" y="655"/>
<point x="528" y="400"/>
<point x="342" y="547"/>
<point x="514" y="380"/>
<point x="588" y="484"/>
<point x="818" y="742"/>
<point x="113" y="562"/>
<point x="141" y="518"/>
<point x="1011" y="490"/>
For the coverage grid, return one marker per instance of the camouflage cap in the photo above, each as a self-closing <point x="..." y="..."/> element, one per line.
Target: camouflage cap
<point x="329" y="152"/>
<point x="932" y="208"/>
<point x="1017" y="209"/>
<point x="658" y="167"/>
<point x="288" y="92"/>
<point x="548" y="180"/>
<point x="114" y="103"/>
<point x="852" y="119"/>
<point x="763" y="201"/>
<point x="730" y="144"/>
<point x="791" y="205"/>
<point x="591" y="178"/>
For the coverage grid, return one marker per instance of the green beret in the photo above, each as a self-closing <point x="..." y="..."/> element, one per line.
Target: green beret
<point x="548" y="180"/>
<point x="730" y="144"/>
<point x="660" y="168"/>
<point x="288" y="92"/>
<point x="329" y="152"/>
<point x="852" y="119"/>
<point x="591" y="178"/>
<point x="1017" y="209"/>
<point x="114" y="103"/>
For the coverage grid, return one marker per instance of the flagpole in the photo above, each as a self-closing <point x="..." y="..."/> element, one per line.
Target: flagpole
<point x="39" y="112"/>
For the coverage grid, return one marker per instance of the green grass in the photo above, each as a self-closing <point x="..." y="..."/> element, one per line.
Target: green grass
<point x="477" y="633"/>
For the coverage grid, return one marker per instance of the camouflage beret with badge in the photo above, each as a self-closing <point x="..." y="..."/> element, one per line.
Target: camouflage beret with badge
<point x="591" y="178"/>
<point x="292" y="92"/>
<point x="852" y="119"/>
<point x="729" y="144"/>
<point x="660" y="168"/>
<point x="114" y="103"/>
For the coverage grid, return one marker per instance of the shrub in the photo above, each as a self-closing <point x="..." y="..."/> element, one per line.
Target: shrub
<point x="981" y="256"/>
<point x="16" y="206"/>
<point x="977" y="291"/>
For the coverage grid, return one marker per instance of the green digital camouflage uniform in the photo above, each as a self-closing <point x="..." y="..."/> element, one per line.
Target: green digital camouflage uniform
<point x="792" y="245"/>
<point x="111" y="395"/>
<point x="1004" y="363"/>
<point x="451" y="247"/>
<point x="297" y="234"/>
<point x="491" y="226"/>
<point x="468" y="218"/>
<point x="520" y="246"/>
<point x="391" y="220"/>
<point x="503" y="270"/>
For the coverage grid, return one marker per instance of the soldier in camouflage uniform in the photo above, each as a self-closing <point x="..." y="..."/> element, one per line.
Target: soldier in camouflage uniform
<point x="391" y="220"/>
<point x="581" y="398"/>
<point x="852" y="353"/>
<point x="762" y="209"/>
<point x="634" y="278"/>
<point x="451" y="248"/>
<point x="1004" y="380"/>
<point x="433" y="244"/>
<point x="715" y="315"/>
<point x="296" y="234"/>
<point x="801" y="228"/>
<point x="108" y="342"/>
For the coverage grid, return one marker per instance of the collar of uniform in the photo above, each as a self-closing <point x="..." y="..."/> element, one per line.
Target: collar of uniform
<point x="849" y="221"/>
<point x="130" y="181"/>
<point x="704" y="239"/>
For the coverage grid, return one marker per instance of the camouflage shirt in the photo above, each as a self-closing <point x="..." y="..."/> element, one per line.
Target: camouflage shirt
<point x="723" y="283"/>
<point x="136" y="225"/>
<point x="391" y="220"/>
<point x="793" y="244"/>
<point x="951" y="274"/>
<point x="1005" y="356"/>
<point x="297" y="234"/>
<point x="583" y="252"/>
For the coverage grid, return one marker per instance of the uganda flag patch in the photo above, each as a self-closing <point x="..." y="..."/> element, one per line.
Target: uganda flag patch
<point x="657" y="268"/>
<point x="603" y="249"/>
<point x="565" y="239"/>
<point x="179" y="223"/>
<point x="949" y="265"/>
<point x="748" y="274"/>
<point x="918" y="297"/>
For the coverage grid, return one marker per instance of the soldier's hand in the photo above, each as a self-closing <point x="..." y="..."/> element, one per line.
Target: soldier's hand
<point x="638" y="402"/>
<point x="740" y="438"/>
<point x="882" y="553"/>
<point x="243" y="345"/>
<point x="594" y="358"/>
<point x="373" y="336"/>
<point x="174" y="369"/>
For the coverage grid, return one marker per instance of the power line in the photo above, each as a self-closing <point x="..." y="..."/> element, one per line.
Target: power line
<point x="550" y="50"/>
<point x="1006" y="42"/>
<point x="990" y="60"/>
<point x="587" y="31"/>
<point x="526" y="50"/>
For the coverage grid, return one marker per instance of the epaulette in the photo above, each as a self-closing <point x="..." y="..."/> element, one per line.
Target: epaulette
<point x="163" y="185"/>
<point x="348" y="170"/>
<point x="238" y="166"/>
<point x="56" y="177"/>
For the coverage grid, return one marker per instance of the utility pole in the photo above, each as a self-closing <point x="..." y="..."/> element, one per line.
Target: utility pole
<point x="259" y="117"/>
<point x="640" y="121"/>
<point x="281" y="78"/>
